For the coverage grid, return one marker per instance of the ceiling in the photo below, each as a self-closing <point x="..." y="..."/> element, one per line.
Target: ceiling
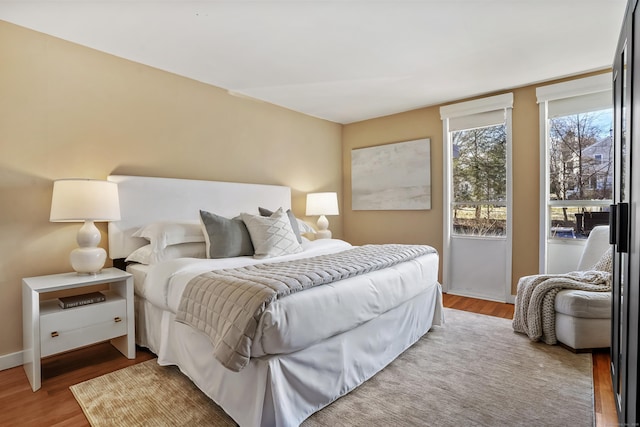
<point x="343" y="60"/>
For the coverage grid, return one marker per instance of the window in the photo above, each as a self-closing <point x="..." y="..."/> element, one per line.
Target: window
<point x="577" y="119"/>
<point x="477" y="133"/>
<point x="479" y="181"/>
<point x="477" y="238"/>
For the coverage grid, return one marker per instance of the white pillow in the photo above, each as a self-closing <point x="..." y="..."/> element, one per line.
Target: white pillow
<point x="163" y="234"/>
<point x="146" y="254"/>
<point x="305" y="227"/>
<point x="271" y="236"/>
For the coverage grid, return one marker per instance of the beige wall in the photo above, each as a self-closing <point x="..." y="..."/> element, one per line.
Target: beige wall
<point x="425" y="227"/>
<point x="68" y="111"/>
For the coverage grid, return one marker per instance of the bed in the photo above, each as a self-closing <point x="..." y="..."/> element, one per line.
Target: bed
<point x="310" y="347"/>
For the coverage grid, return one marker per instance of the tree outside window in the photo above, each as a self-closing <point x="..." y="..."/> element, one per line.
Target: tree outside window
<point x="580" y="168"/>
<point x="479" y="181"/>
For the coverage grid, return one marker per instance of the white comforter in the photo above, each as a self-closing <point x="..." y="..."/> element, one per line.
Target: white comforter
<point x="291" y="323"/>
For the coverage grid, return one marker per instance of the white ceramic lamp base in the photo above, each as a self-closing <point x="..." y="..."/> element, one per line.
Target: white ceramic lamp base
<point x="88" y="258"/>
<point x="323" y="228"/>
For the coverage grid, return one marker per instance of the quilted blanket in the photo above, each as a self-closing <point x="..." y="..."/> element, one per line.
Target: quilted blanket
<point x="227" y="304"/>
<point x="535" y="302"/>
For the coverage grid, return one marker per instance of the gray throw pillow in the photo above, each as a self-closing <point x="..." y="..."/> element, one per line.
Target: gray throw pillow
<point x="225" y="238"/>
<point x="292" y="220"/>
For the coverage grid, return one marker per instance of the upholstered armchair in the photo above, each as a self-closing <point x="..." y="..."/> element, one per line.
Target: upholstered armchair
<point x="583" y="318"/>
<point x="573" y="308"/>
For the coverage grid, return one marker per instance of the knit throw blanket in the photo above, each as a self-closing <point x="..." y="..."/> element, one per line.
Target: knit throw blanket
<point x="227" y="304"/>
<point x="535" y="304"/>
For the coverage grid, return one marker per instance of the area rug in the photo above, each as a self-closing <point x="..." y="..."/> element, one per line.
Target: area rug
<point x="472" y="371"/>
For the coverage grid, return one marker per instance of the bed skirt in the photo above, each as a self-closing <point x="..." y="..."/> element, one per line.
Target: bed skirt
<point x="283" y="390"/>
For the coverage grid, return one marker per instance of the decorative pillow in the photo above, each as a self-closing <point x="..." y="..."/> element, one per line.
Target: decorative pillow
<point x="304" y="227"/>
<point x="271" y="236"/>
<point x="163" y="234"/>
<point x="292" y="219"/>
<point x="146" y="255"/>
<point x="225" y="238"/>
<point x="605" y="263"/>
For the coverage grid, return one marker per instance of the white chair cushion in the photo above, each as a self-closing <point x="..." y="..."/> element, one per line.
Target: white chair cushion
<point x="585" y="304"/>
<point x="597" y="244"/>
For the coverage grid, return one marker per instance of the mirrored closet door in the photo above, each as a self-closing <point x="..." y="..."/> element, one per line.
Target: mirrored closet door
<point x="625" y="222"/>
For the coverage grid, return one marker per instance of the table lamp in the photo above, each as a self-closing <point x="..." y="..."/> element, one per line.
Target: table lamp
<point x="85" y="200"/>
<point x="322" y="204"/>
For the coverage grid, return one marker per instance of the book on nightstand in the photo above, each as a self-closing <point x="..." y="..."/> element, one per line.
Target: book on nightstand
<point x="78" y="300"/>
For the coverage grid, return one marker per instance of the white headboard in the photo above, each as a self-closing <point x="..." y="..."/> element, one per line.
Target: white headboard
<point x="144" y="200"/>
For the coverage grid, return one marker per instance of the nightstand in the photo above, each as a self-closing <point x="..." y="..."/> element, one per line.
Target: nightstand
<point x="49" y="329"/>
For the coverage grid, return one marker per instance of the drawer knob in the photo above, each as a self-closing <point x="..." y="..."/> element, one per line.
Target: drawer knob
<point x="54" y="334"/>
<point x="117" y="319"/>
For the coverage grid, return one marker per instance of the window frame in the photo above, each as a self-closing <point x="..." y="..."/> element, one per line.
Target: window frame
<point x="600" y="86"/>
<point x="455" y="111"/>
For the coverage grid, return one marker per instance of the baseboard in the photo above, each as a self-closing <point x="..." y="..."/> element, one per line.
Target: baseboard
<point x="11" y="360"/>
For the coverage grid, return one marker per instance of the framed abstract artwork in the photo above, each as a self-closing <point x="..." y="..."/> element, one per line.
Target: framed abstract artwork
<point x="392" y="176"/>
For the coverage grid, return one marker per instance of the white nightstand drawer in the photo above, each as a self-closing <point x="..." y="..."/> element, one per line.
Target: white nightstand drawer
<point x="66" y="329"/>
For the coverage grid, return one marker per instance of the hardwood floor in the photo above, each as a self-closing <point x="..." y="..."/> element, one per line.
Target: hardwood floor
<point x="54" y="405"/>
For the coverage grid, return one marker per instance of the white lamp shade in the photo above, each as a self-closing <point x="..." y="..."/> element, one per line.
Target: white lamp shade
<point x="84" y="199"/>
<point x="322" y="204"/>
